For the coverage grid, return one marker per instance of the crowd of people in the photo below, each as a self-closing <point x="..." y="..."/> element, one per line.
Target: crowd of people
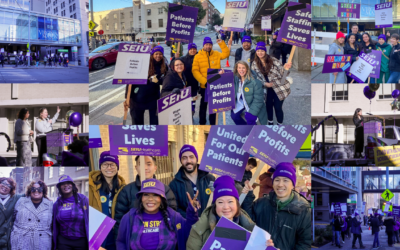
<point x="259" y="89"/>
<point x="32" y="221"/>
<point x="355" y="43"/>
<point x="49" y="60"/>
<point x="151" y="215"/>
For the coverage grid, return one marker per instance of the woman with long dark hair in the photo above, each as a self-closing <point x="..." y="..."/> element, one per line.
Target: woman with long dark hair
<point x="270" y="71"/>
<point x="104" y="187"/>
<point x="23" y="138"/>
<point x="366" y="46"/>
<point x="358" y="121"/>
<point x="352" y="48"/>
<point x="145" y="96"/>
<point x="70" y="217"/>
<point x="175" y="80"/>
<point x="33" y="217"/>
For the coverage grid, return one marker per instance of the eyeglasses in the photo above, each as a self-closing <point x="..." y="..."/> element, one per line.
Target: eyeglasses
<point x="112" y="166"/>
<point x="176" y="65"/>
<point x="5" y="183"/>
<point x="33" y="190"/>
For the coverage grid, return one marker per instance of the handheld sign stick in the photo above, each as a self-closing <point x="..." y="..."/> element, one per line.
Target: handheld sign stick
<point x="283" y="80"/>
<point x="178" y="50"/>
<point x="352" y="81"/>
<point x="368" y="79"/>
<point x="251" y="182"/>
<point x="211" y="187"/>
<point x="334" y="81"/>
<point x="127" y="101"/>
<point x="141" y="169"/>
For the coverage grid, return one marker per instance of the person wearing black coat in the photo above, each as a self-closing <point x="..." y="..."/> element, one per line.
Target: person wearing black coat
<point x="357" y="231"/>
<point x="352" y="48"/>
<point x="2" y="59"/>
<point x="358" y="121"/>
<point x="245" y="53"/>
<point x="348" y="221"/>
<point x="354" y="31"/>
<point x="191" y="81"/>
<point x="375" y="224"/>
<point x="389" y="223"/>
<point x="366" y="46"/>
<point x="145" y="96"/>
<point x="175" y="79"/>
<point x="337" y="225"/>
<point x="235" y="37"/>
<point x="275" y="49"/>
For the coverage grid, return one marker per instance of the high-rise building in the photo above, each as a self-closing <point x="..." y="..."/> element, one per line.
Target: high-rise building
<point x="17" y="174"/>
<point x="210" y="9"/>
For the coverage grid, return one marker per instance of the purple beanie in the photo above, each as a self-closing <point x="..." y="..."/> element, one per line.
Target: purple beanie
<point x="152" y="186"/>
<point x="106" y="156"/>
<point x="185" y="148"/>
<point x="276" y="33"/>
<point x="207" y="40"/>
<point x="157" y="48"/>
<point x="390" y="214"/>
<point x="285" y="169"/>
<point x="246" y="39"/>
<point x="261" y="45"/>
<point x="355" y="214"/>
<point x="225" y="186"/>
<point x="376" y="214"/>
<point x="192" y="46"/>
<point x="382" y="36"/>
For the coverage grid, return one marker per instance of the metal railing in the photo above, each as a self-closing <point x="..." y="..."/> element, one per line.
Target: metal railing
<point x="333" y="177"/>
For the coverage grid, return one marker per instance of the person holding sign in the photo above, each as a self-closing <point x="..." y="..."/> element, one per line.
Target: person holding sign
<point x="389" y="223"/>
<point x="225" y="204"/>
<point x="270" y="71"/>
<point x="385" y="49"/>
<point x="145" y="96"/>
<point x="175" y="79"/>
<point x="375" y="225"/>
<point x="104" y="187"/>
<point x="356" y="231"/>
<point x="354" y="31"/>
<point x="154" y="225"/>
<point x="249" y="99"/>
<point x="207" y="58"/>
<point x="284" y="206"/>
<point x="351" y="48"/>
<point x="191" y="81"/>
<point x="394" y="62"/>
<point x="275" y="49"/>
<point x="366" y="46"/>
<point x="2" y="59"/>
<point x="190" y="179"/>
<point x="358" y="120"/>
<point x="246" y="52"/>
<point x="23" y="138"/>
<point x="337" y="48"/>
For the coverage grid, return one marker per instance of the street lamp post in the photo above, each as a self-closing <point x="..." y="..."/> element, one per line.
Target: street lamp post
<point x="29" y="35"/>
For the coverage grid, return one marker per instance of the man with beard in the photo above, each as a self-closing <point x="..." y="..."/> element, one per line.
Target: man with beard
<point x="354" y="30"/>
<point x="190" y="179"/>
<point x="245" y="53"/>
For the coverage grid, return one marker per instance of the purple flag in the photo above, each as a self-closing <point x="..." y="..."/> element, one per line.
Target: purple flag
<point x="223" y="153"/>
<point x="142" y="140"/>
<point x="377" y="57"/>
<point x="227" y="235"/>
<point x="296" y="26"/>
<point x="349" y="10"/>
<point x="181" y="23"/>
<point x="220" y="92"/>
<point x="336" y="63"/>
<point x="274" y="144"/>
<point x="337" y="208"/>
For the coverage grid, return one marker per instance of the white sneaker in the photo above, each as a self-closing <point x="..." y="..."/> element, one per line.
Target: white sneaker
<point x="343" y="242"/>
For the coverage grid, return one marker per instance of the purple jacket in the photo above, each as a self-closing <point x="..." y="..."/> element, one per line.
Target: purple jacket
<point x="344" y="226"/>
<point x="397" y="226"/>
<point x="181" y="226"/>
<point x="84" y="202"/>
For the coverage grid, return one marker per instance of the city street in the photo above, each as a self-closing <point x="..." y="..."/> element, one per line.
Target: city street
<point x="105" y="99"/>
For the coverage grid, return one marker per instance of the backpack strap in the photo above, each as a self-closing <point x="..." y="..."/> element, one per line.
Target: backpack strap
<point x="383" y="53"/>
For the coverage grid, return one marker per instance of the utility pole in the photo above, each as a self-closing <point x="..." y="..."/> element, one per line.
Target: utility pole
<point x="91" y="16"/>
<point x="143" y="11"/>
<point x="29" y="36"/>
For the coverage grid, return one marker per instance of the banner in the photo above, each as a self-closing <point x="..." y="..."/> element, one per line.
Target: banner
<point x="361" y="68"/>
<point x="99" y="227"/>
<point x="349" y="10"/>
<point x="383" y="15"/>
<point x="227" y="235"/>
<point x="296" y="26"/>
<point x="132" y="66"/>
<point x="94" y="137"/>
<point x="181" y="23"/>
<point x="376" y="55"/>
<point x="387" y="156"/>
<point x="337" y="208"/>
<point x="141" y="140"/>
<point x="276" y="143"/>
<point x="336" y="63"/>
<point x="223" y="153"/>
<point x="373" y="127"/>
<point x="266" y="23"/>
<point x="221" y="92"/>
<point x="235" y="16"/>
<point x="176" y="109"/>
<point x="343" y="206"/>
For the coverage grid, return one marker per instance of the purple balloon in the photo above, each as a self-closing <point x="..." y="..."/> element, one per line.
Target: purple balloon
<point x="395" y="93"/>
<point x="368" y="93"/>
<point x="75" y="119"/>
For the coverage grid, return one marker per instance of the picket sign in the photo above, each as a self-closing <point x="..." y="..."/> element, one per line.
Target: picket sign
<point x="128" y="97"/>
<point x="324" y="47"/>
<point x="253" y="179"/>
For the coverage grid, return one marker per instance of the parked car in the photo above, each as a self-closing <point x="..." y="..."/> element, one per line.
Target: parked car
<point x="113" y="40"/>
<point x="103" y="55"/>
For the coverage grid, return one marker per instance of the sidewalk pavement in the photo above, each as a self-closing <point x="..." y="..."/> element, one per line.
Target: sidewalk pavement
<point x="41" y="66"/>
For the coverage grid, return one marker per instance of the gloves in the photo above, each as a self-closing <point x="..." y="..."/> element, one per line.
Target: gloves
<point x="176" y="91"/>
<point x="251" y="119"/>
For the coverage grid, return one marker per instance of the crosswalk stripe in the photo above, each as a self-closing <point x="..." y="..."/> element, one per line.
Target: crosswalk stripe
<point x="94" y="83"/>
<point x="106" y="95"/>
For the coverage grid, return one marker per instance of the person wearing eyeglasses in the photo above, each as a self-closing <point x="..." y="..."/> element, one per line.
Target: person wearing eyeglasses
<point x="104" y="186"/>
<point x="8" y="200"/>
<point x="71" y="217"/>
<point x="33" y="216"/>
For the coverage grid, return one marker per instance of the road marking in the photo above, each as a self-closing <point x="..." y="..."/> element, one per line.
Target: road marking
<point x="92" y="73"/>
<point x="106" y="95"/>
<point x="107" y="101"/>
<point x="94" y="83"/>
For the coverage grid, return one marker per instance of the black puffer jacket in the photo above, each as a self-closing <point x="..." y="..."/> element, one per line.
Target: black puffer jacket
<point x="290" y="228"/>
<point x="246" y="177"/>
<point x="238" y="55"/>
<point x="394" y="61"/>
<point x="146" y="96"/>
<point x="348" y="50"/>
<point x="191" y="81"/>
<point x="171" y="81"/>
<point x="276" y="49"/>
<point x="358" y="38"/>
<point x="181" y="184"/>
<point x="126" y="200"/>
<point x="389" y="223"/>
<point x="6" y="221"/>
<point x="367" y="48"/>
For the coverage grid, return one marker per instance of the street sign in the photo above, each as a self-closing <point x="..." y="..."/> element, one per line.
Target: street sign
<point x="387" y="195"/>
<point x="324" y="28"/>
<point x="62" y="50"/>
<point x="27" y="45"/>
<point x="91" y="33"/>
<point x="101" y="32"/>
<point x="92" y="25"/>
<point x="389" y="210"/>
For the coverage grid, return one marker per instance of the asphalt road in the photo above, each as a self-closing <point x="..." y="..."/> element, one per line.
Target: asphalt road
<point x="105" y="99"/>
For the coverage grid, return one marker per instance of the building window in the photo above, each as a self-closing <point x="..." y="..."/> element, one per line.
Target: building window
<point x="79" y="168"/>
<point x="115" y="16"/>
<point x="160" y="23"/>
<point x="131" y="14"/>
<point x="75" y="15"/>
<point x="122" y="15"/>
<point x="132" y="24"/>
<point x="73" y="6"/>
<point x="123" y="26"/>
<point x="61" y="171"/>
<point x="50" y="172"/>
<point x="140" y="6"/>
<point x="149" y="12"/>
<point x="140" y="18"/>
<point x="107" y="27"/>
<point x="115" y="26"/>
<point x="385" y="92"/>
<point x="86" y="188"/>
<point x="52" y="193"/>
<point x="340" y="92"/>
<point x="160" y="10"/>
<point x="107" y="17"/>
<point x="149" y="24"/>
<point x="70" y="8"/>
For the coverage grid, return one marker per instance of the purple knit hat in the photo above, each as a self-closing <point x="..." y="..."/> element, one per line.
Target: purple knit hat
<point x="355" y="214"/>
<point x="225" y="186"/>
<point x="185" y="148"/>
<point x="64" y="178"/>
<point x="157" y="48"/>
<point x="207" y="40"/>
<point x="382" y="36"/>
<point x="152" y="186"/>
<point x="261" y="45"/>
<point x="285" y="169"/>
<point x="276" y="33"/>
<point x="106" y="156"/>
<point x="246" y="39"/>
<point x="192" y="46"/>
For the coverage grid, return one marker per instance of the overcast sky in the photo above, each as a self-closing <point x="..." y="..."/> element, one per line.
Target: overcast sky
<point x="5" y="171"/>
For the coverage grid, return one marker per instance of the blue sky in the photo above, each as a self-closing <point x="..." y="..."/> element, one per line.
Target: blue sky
<point x="100" y="5"/>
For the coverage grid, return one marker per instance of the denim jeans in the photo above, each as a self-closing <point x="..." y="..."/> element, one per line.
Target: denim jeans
<point x="272" y="103"/>
<point x="396" y="236"/>
<point x="394" y="77"/>
<point x="237" y="118"/>
<point x="376" y="240"/>
<point x="337" y="238"/>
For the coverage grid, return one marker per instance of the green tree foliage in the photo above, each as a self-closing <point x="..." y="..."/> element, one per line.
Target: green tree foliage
<point x="216" y="20"/>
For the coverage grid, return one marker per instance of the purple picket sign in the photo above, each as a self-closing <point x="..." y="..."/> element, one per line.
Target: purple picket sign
<point x="348" y="10"/>
<point x="396" y="210"/>
<point x="264" y="21"/>
<point x="274" y="144"/>
<point x="95" y="137"/>
<point x="220" y="92"/>
<point x="337" y="208"/>
<point x="101" y="234"/>
<point x="142" y="140"/>
<point x="383" y="15"/>
<point x="223" y="153"/>
<point x="172" y="99"/>
<point x="95" y="143"/>
<point x="296" y="26"/>
<point x="336" y="63"/>
<point x="377" y="56"/>
<point x="181" y="23"/>
<point x="360" y="67"/>
<point x="227" y="235"/>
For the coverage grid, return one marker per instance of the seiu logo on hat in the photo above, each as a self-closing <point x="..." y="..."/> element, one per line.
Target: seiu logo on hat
<point x="108" y="156"/>
<point x="63" y="177"/>
<point x="184" y="149"/>
<point x="225" y="189"/>
<point x="149" y="184"/>
<point x="285" y="171"/>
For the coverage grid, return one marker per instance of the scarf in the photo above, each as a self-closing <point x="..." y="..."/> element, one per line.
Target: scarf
<point x="6" y="197"/>
<point x="281" y="205"/>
